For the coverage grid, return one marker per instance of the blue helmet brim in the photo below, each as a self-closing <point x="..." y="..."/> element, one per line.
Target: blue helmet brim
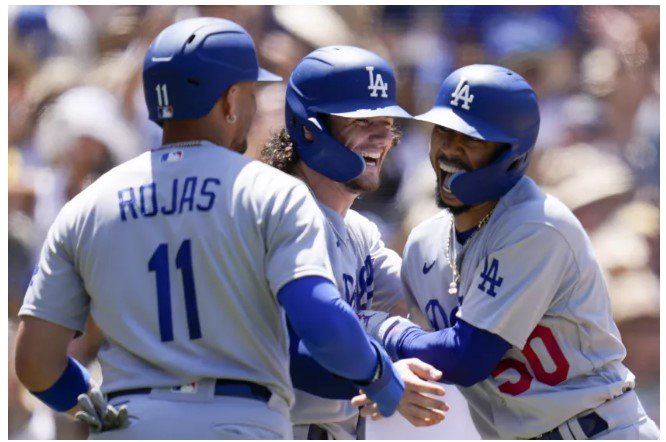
<point x="265" y="75"/>
<point x="470" y="126"/>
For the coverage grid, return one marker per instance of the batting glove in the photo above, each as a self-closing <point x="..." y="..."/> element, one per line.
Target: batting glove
<point x="100" y="415"/>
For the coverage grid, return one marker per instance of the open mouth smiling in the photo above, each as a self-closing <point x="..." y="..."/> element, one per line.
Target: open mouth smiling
<point x="446" y="171"/>
<point x="371" y="158"/>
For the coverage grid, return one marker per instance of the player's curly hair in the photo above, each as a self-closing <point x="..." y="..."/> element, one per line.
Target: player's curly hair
<point x="280" y="153"/>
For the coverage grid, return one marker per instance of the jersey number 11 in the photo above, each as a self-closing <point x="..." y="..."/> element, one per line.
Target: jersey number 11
<point x="159" y="263"/>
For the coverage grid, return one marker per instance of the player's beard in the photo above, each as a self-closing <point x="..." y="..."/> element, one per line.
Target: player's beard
<point x="364" y="184"/>
<point x="455" y="210"/>
<point x="361" y="185"/>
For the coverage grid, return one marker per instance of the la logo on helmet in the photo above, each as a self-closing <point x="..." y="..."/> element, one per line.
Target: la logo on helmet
<point x="376" y="83"/>
<point x="462" y="93"/>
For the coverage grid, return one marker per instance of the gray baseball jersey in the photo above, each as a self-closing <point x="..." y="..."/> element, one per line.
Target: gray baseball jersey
<point x="530" y="277"/>
<point x="368" y="277"/>
<point x="178" y="255"/>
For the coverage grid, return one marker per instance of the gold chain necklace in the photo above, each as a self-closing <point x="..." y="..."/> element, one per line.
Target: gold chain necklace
<point x="451" y="251"/>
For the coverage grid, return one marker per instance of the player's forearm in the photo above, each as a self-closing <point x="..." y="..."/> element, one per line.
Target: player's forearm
<point x="44" y="368"/>
<point x="35" y="373"/>
<point x="39" y="361"/>
<point x="328" y="328"/>
<point x="308" y="375"/>
<point x="465" y="354"/>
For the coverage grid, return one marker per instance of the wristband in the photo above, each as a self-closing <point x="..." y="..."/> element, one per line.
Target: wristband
<point x="63" y="394"/>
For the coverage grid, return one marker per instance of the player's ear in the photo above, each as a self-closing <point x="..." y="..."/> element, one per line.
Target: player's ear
<point x="307" y="134"/>
<point x="230" y="102"/>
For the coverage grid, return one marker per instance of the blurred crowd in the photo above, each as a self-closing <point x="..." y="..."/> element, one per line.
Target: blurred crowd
<point x="76" y="109"/>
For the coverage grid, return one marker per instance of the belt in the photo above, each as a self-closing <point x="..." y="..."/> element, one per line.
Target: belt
<point x="591" y="424"/>
<point x="315" y="432"/>
<point x="223" y="387"/>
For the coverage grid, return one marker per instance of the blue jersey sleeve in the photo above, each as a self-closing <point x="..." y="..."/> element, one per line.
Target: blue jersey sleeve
<point x="465" y="354"/>
<point x="308" y="375"/>
<point x="328" y="327"/>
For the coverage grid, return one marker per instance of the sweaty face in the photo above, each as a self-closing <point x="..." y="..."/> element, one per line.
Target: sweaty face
<point x="452" y="152"/>
<point x="372" y="138"/>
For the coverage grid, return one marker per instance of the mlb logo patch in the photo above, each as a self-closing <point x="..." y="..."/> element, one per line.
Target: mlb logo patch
<point x="165" y="112"/>
<point x="185" y="389"/>
<point x="170" y="157"/>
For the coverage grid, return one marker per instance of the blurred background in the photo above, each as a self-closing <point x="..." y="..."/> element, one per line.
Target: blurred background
<point x="76" y="109"/>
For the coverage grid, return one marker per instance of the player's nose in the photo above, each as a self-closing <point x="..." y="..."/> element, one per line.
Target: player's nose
<point x="381" y="131"/>
<point x="453" y="145"/>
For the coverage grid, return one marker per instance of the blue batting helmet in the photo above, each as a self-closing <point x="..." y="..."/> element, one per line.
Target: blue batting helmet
<point x="337" y="80"/>
<point x="192" y="63"/>
<point x="490" y="103"/>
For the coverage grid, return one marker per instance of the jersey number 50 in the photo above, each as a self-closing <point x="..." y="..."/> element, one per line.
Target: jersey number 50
<point x="552" y="377"/>
<point x="159" y="263"/>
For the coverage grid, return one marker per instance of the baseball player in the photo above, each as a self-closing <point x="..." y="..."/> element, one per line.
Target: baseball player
<point x="340" y="107"/>
<point x="506" y="277"/>
<point x="188" y="258"/>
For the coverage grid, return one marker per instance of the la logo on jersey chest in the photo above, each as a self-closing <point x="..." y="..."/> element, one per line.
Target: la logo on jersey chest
<point x="376" y="83"/>
<point x="462" y="94"/>
<point x="359" y="290"/>
<point x="490" y="275"/>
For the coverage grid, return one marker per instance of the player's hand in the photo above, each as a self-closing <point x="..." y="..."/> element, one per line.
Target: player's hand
<point x="416" y="405"/>
<point x="98" y="414"/>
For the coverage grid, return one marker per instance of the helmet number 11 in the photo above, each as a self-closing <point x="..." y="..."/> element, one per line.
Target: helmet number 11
<point x="162" y="96"/>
